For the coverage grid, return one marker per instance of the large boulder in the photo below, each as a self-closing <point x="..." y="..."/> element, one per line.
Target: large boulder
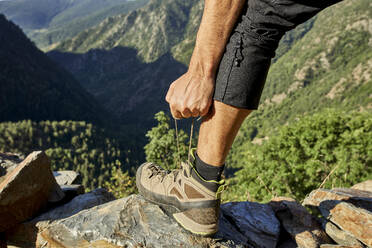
<point x="349" y="209"/>
<point x="366" y="186"/>
<point x="26" y="190"/>
<point x="135" y="222"/>
<point x="299" y="223"/>
<point x="25" y="234"/>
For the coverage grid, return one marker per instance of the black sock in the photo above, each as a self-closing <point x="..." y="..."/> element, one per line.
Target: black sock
<point x="208" y="172"/>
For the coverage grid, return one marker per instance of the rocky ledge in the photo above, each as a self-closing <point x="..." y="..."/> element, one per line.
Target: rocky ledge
<point x="55" y="212"/>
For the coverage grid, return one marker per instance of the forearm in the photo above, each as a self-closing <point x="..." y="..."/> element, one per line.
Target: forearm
<point x="218" y="20"/>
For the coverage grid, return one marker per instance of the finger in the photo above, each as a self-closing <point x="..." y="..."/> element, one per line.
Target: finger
<point x="186" y="113"/>
<point x="175" y="113"/>
<point x="169" y="94"/>
<point x="195" y="113"/>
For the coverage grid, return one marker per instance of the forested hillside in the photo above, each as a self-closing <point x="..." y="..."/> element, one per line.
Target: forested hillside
<point x="329" y="149"/>
<point x="47" y="22"/>
<point x="71" y="145"/>
<point x="132" y="90"/>
<point x="152" y="30"/>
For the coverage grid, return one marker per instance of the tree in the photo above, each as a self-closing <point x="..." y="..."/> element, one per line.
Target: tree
<point x="162" y="146"/>
<point x="120" y="183"/>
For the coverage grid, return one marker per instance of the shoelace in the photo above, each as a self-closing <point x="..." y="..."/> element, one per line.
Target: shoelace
<point x="156" y="171"/>
<point x="190" y="141"/>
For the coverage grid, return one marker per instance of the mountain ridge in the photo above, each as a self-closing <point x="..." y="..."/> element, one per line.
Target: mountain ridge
<point x="34" y="87"/>
<point x="47" y="22"/>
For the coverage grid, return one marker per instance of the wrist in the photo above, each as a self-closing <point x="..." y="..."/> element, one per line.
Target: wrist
<point x="203" y="64"/>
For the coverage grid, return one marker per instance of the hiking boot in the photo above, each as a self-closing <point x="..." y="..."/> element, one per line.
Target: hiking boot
<point x="193" y="201"/>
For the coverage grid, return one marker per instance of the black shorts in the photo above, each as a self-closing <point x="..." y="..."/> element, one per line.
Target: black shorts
<point x="244" y="66"/>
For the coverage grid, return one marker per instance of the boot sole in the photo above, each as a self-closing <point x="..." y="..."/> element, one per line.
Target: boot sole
<point x="178" y="209"/>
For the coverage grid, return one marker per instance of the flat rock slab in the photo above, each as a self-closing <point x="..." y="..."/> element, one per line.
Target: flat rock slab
<point x="128" y="222"/>
<point x="339" y="236"/>
<point x="366" y="186"/>
<point x="355" y="221"/>
<point x="26" y="190"/>
<point x="250" y="223"/>
<point x="25" y="234"/>
<point x="67" y="177"/>
<point x="300" y="224"/>
<point x="359" y="198"/>
<point x="135" y="222"/>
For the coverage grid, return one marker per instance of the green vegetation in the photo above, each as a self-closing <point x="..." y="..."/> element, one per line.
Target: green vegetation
<point x="330" y="146"/>
<point x="328" y="68"/>
<point x="71" y="145"/>
<point x="152" y="30"/>
<point x="62" y="27"/>
<point x="48" y="22"/>
<point x="162" y="147"/>
<point x="120" y="184"/>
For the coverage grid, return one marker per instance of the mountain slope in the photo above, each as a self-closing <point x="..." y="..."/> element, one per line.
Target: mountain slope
<point x="47" y="22"/>
<point x="132" y="90"/>
<point x="153" y="30"/>
<point x="33" y="14"/>
<point x="330" y="67"/>
<point x="34" y="87"/>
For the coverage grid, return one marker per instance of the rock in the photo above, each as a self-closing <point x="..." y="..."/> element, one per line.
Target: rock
<point x="356" y="221"/>
<point x="72" y="190"/>
<point x="359" y="198"/>
<point x="67" y="177"/>
<point x="129" y="222"/>
<point x="339" y="236"/>
<point x="337" y="246"/>
<point x="8" y="161"/>
<point x="25" y="234"/>
<point x="252" y="223"/>
<point x="366" y="186"/>
<point x="135" y="222"/>
<point x="26" y="190"/>
<point x="300" y="224"/>
<point x="288" y="244"/>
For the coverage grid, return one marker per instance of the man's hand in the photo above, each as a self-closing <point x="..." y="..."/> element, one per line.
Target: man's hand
<point x="190" y="95"/>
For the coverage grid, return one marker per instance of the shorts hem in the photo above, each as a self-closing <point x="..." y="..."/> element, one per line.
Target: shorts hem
<point x="237" y="105"/>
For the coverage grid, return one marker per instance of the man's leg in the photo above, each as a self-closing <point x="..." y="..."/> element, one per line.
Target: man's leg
<point x="194" y="191"/>
<point x="218" y="131"/>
